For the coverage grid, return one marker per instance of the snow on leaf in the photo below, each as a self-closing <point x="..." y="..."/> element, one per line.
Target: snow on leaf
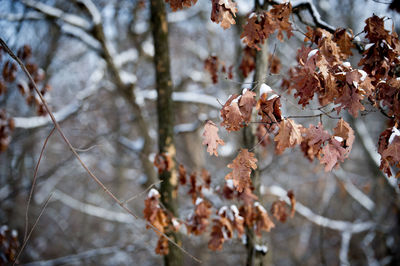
<point x="231" y="116"/>
<point x="241" y="169"/>
<point x="344" y="131"/>
<point x="211" y="138"/>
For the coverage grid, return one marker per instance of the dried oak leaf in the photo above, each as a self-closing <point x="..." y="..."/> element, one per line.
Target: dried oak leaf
<point x="270" y="111"/>
<point x="223" y="11"/>
<point x="180" y="4"/>
<point x="211" y="65"/>
<point x="182" y="175"/>
<point x="246" y="103"/>
<point x="248" y="62"/>
<point x="247" y="196"/>
<point x="278" y="210"/>
<point x="389" y="148"/>
<point x="163" y="162"/>
<point x="274" y="64"/>
<point x="231" y="116"/>
<point x="241" y="169"/>
<point x="346" y="133"/>
<point x="198" y="222"/>
<point x="211" y="138"/>
<point x="332" y="154"/>
<point x="162" y="246"/>
<point x="261" y="219"/>
<point x="313" y="139"/>
<point x="194" y="190"/>
<point x="262" y="135"/>
<point x="289" y="135"/>
<point x="252" y="33"/>
<point x="153" y="213"/>
<point x="217" y="238"/>
<point x="292" y="199"/>
<point x="205" y="175"/>
<point x="345" y="42"/>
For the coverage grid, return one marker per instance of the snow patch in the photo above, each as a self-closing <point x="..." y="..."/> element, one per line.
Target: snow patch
<point x="395" y="132"/>
<point x="340" y="139"/>
<point x="346" y="64"/>
<point x="229" y="184"/>
<point x="369" y="46"/>
<point x="264" y="89"/>
<point x="259" y="206"/>
<point x="363" y="74"/>
<point x="311" y="53"/>
<point x="261" y="248"/>
<point x="198" y="201"/>
<point x="153" y="193"/>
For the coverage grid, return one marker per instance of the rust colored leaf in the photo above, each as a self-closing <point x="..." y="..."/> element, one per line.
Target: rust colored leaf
<point x="224" y="11"/>
<point x="278" y="210"/>
<point x="333" y="153"/>
<point x="241" y="169"/>
<point x="246" y="104"/>
<point x="231" y="115"/>
<point x="261" y="219"/>
<point x="290" y="194"/>
<point x="211" y="138"/>
<point x="180" y="4"/>
<point x="162" y="246"/>
<point x="198" y="222"/>
<point x="248" y="62"/>
<point x="182" y="175"/>
<point x="288" y="136"/>
<point x="163" y="162"/>
<point x="211" y="65"/>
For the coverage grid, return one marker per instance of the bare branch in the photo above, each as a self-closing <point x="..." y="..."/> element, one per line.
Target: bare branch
<point x="338" y="225"/>
<point x="56" y="13"/>
<point x="344" y="249"/>
<point x="354" y="192"/>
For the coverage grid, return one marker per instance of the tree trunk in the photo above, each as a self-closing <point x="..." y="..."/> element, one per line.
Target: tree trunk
<point x="165" y="120"/>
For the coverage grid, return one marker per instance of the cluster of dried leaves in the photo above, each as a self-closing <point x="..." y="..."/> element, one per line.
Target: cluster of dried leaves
<point x="6" y="128"/>
<point x="228" y="221"/>
<point x="9" y="245"/>
<point x="212" y="64"/>
<point x="260" y="26"/>
<point x="180" y="4"/>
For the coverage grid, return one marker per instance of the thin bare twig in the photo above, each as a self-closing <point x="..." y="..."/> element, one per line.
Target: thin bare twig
<point x="33" y="227"/>
<point x="34" y="182"/>
<point x="91" y="174"/>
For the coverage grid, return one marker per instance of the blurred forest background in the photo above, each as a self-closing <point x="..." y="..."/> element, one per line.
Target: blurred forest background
<point x="89" y="59"/>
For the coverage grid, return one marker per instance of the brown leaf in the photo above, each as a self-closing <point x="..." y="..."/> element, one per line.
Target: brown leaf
<point x="205" y="175"/>
<point x="198" y="222"/>
<point x="278" y="210"/>
<point x="223" y="11"/>
<point x="333" y="153"/>
<point x="231" y="116"/>
<point x="162" y="246"/>
<point x="180" y="4"/>
<point x="261" y="219"/>
<point x="290" y="194"/>
<point x="211" y="65"/>
<point x="241" y="169"/>
<point x="248" y="62"/>
<point x="182" y="175"/>
<point x="246" y="104"/>
<point x="288" y="136"/>
<point x="163" y="162"/>
<point x="211" y="138"/>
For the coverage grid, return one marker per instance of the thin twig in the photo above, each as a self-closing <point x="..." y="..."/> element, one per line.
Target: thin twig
<point x="91" y="174"/>
<point x="141" y="193"/>
<point x="33" y="227"/>
<point x="34" y="182"/>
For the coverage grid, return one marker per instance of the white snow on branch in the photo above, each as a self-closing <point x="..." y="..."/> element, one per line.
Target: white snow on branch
<point x="58" y="13"/>
<point x="338" y="225"/>
<point x="92" y="209"/>
<point x="65" y="112"/>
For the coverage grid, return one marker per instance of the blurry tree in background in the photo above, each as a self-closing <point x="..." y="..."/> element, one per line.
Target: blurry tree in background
<point x="226" y="108"/>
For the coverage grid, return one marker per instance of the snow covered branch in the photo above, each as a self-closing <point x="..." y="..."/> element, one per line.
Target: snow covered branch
<point x="53" y="12"/>
<point x="65" y="112"/>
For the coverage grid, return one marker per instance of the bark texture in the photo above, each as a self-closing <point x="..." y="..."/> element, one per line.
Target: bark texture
<point x="165" y="120"/>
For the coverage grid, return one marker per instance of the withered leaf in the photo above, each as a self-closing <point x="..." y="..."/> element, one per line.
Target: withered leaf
<point x="211" y="138"/>
<point x="241" y="169"/>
